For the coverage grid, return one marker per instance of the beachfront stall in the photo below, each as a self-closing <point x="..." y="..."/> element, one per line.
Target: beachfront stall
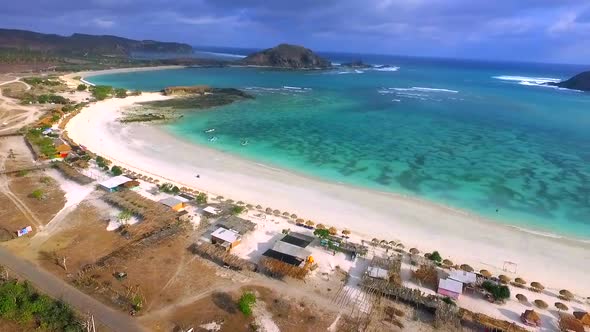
<point x="226" y="238"/>
<point x="114" y="183"/>
<point x="451" y="288"/>
<point x="173" y="203"/>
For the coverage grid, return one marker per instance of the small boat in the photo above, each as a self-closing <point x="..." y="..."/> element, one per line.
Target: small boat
<point x="244" y="142"/>
<point x="212" y="138"/>
<point x="210" y="130"/>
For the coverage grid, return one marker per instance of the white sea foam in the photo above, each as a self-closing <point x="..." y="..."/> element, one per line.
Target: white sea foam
<point x="291" y="87"/>
<point x="419" y="88"/>
<point x="525" y="80"/>
<point x="229" y="55"/>
<point x="358" y="71"/>
<point x="387" y="69"/>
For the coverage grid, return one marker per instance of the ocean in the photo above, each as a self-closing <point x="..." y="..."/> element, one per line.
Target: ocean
<point x="483" y="137"/>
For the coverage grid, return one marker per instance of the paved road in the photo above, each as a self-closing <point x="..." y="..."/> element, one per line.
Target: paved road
<point x="57" y="288"/>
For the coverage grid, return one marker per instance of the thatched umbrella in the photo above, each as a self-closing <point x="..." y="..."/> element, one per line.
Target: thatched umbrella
<point x="220" y="197"/>
<point x="414" y="251"/>
<point x="229" y="201"/>
<point x="333" y="231"/>
<point x="240" y="203"/>
<point x="259" y="207"/>
<point x="392" y="243"/>
<point x="320" y="226"/>
<point x="268" y="210"/>
<point x="400" y="245"/>
<point x="537" y="286"/>
<point x="276" y="212"/>
<point x="567" y="295"/>
<point x="346" y="232"/>
<point x="520" y="281"/>
<point x="249" y="206"/>
<point x="286" y="214"/>
<point x="309" y="223"/>
<point x="375" y="241"/>
<point x="299" y="221"/>
<point x="521" y="298"/>
<point x="466" y="268"/>
<point x="561" y="306"/>
<point x="382" y="243"/>
<point x="294" y="216"/>
<point x="504" y="278"/>
<point x="447" y="262"/>
<point x="541" y="304"/>
<point x="485" y="273"/>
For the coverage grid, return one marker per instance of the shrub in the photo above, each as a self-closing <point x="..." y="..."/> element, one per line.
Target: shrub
<point x="169" y="188"/>
<point x="116" y="170"/>
<point x="235" y="210"/>
<point x="321" y="233"/>
<point x="120" y="93"/>
<point x="201" y="198"/>
<point x="22" y="173"/>
<point x="37" y="194"/>
<point x="499" y="292"/>
<point x="46" y="180"/>
<point x="101" y="92"/>
<point x="81" y="87"/>
<point x="245" y="303"/>
<point x="435" y="257"/>
<point x="448" y="300"/>
<point x="124" y="216"/>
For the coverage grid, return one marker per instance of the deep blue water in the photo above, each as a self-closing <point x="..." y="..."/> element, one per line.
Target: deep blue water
<point x="480" y="136"/>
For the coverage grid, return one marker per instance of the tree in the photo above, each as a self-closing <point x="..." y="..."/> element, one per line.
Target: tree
<point x="37" y="194"/>
<point x="124" y="216"/>
<point x="201" y="198"/>
<point x="435" y="257"/>
<point x="499" y="292"/>
<point x="321" y="233"/>
<point x="116" y="170"/>
<point x="102" y="92"/>
<point x="120" y="93"/>
<point x="236" y="209"/>
<point x="81" y="87"/>
<point x="245" y="303"/>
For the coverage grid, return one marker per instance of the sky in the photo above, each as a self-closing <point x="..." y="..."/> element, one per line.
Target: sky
<point x="521" y="30"/>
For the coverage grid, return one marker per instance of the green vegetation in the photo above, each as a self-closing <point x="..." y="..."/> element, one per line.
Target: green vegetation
<point x="120" y="93"/>
<point x="81" y="87"/>
<point x="236" y="209"/>
<point x="102" y="163"/>
<point x="245" y="303"/>
<point x="45" y="144"/>
<point x="116" y="170"/>
<point x="135" y="93"/>
<point x="101" y="92"/>
<point x="22" y="173"/>
<point x="51" y="98"/>
<point x="19" y="302"/>
<point x="41" y="81"/>
<point x="37" y="194"/>
<point x="169" y="188"/>
<point x="124" y="216"/>
<point x="46" y="180"/>
<point x="322" y="233"/>
<point x="448" y="300"/>
<point x="435" y="257"/>
<point x="201" y="198"/>
<point x="499" y="292"/>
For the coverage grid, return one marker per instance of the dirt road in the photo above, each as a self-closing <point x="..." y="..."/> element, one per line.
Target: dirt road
<point x="57" y="288"/>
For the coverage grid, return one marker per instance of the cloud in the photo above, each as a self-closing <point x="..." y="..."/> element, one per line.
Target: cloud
<point x="103" y="23"/>
<point x="209" y="20"/>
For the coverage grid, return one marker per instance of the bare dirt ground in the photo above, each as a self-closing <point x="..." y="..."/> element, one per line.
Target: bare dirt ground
<point x="13" y="115"/>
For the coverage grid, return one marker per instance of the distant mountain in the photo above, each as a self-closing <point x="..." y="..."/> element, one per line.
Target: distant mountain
<point x="82" y="44"/>
<point x="578" y="82"/>
<point x="287" y="56"/>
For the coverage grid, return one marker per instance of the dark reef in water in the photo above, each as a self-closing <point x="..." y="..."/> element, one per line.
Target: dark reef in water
<point x="199" y="97"/>
<point x="579" y="82"/>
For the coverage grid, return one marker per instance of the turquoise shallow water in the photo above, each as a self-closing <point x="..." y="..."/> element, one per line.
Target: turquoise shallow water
<point x="499" y="147"/>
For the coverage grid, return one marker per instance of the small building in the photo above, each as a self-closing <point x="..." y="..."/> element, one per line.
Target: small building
<point x="227" y="238"/>
<point x="63" y="150"/>
<point x="210" y="211"/>
<point x="186" y="196"/>
<point x="583" y="317"/>
<point x="451" y="288"/>
<point x="131" y="185"/>
<point x="530" y="318"/>
<point x="184" y="216"/>
<point x="377" y="272"/>
<point x="298" y="239"/>
<point x="288" y="253"/>
<point x="113" y="183"/>
<point x="173" y="203"/>
<point x="463" y="276"/>
<point x="240" y="225"/>
<point x="47" y="131"/>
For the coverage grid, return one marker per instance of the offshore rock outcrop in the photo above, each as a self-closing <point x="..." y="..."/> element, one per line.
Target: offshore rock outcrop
<point x="579" y="82"/>
<point x="287" y="56"/>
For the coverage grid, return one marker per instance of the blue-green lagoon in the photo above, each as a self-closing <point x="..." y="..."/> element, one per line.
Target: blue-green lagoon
<point x="482" y="137"/>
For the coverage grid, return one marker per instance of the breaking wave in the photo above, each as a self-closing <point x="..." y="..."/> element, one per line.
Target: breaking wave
<point x="525" y="80"/>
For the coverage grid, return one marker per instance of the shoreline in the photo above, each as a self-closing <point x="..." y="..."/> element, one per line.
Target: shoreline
<point x="457" y="234"/>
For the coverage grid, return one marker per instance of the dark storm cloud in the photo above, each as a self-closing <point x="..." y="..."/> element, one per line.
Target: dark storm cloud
<point x="469" y="28"/>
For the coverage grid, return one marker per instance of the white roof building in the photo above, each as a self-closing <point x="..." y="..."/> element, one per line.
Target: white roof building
<point x="227" y="235"/>
<point x="451" y="285"/>
<point x="463" y="276"/>
<point x="377" y="272"/>
<point x="114" y="182"/>
<point x="291" y="250"/>
<point x="211" y="210"/>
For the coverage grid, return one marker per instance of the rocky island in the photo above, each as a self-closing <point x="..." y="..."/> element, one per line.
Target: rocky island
<point x="357" y="64"/>
<point x="287" y="56"/>
<point x="579" y="82"/>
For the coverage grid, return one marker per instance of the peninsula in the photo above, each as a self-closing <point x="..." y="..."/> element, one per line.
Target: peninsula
<point x="578" y="82"/>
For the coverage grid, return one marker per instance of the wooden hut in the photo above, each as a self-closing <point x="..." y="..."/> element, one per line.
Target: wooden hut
<point x="568" y="322"/>
<point x="583" y="317"/>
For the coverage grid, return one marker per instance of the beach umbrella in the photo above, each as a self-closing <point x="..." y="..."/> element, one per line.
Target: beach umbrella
<point x="249" y="206"/>
<point x="400" y="245"/>
<point x="521" y="298"/>
<point x="320" y="226"/>
<point x="561" y="306"/>
<point x="229" y="201"/>
<point x="466" y="268"/>
<point x="541" y="304"/>
<point x="485" y="273"/>
<point x="392" y="243"/>
<point x="294" y="216"/>
<point x="504" y="278"/>
<point x="277" y="212"/>
<point x="537" y="286"/>
<point x="220" y="197"/>
<point x="286" y="214"/>
<point x="520" y="281"/>
<point x="447" y="262"/>
<point x="268" y="210"/>
<point x="567" y="295"/>
<point x="414" y="251"/>
<point x="383" y="243"/>
<point x="240" y="203"/>
<point x="375" y="241"/>
<point x="345" y="232"/>
<point x="310" y="223"/>
<point x="299" y="221"/>
<point x="333" y="231"/>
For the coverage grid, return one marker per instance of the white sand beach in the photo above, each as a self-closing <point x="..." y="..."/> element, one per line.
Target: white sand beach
<point x="555" y="262"/>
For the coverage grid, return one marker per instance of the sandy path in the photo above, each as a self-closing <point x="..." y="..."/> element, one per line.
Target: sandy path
<point x="463" y="238"/>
